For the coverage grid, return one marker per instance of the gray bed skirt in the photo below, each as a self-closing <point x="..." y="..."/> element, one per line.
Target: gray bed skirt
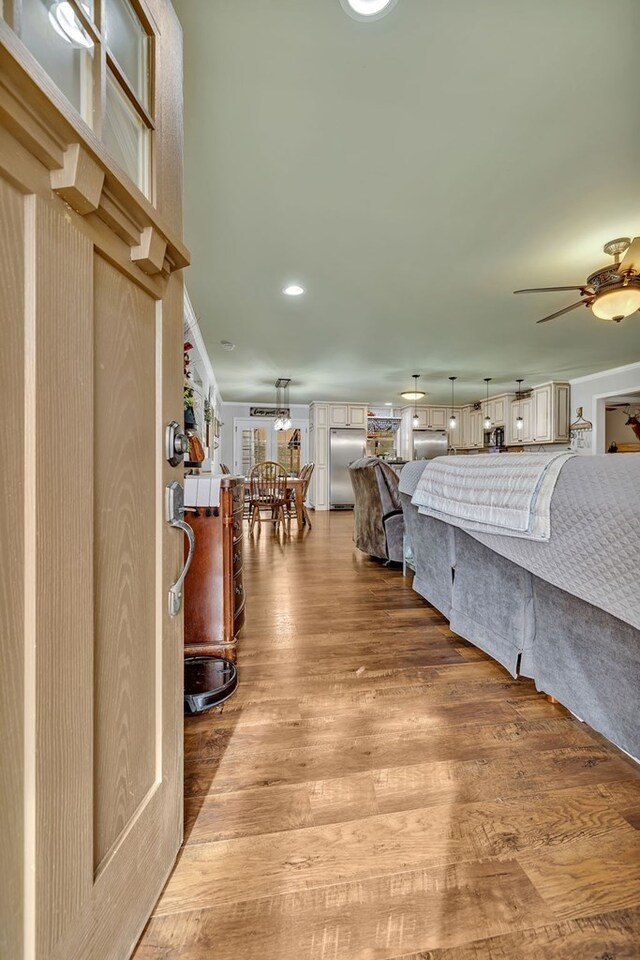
<point x="583" y="656"/>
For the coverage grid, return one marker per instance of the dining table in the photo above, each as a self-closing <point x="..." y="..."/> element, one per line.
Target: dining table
<point x="297" y="486"/>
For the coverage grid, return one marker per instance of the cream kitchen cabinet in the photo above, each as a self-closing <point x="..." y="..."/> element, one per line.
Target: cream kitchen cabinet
<point x="437" y="418"/>
<point x="455" y="433"/>
<point x="551" y="412"/>
<point x="545" y="415"/>
<point x="521" y="408"/>
<point x="474" y="438"/>
<point x="348" y="414"/>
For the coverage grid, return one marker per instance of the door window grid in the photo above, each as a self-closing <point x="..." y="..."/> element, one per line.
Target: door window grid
<point x="77" y="42"/>
<point x="257" y="441"/>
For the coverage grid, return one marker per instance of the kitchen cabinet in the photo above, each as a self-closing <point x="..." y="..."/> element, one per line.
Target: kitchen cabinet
<point x="348" y="414"/>
<point x="437" y="418"/>
<point x="545" y="415"/>
<point x="551" y="412"/>
<point x="455" y="433"/>
<point x="474" y="438"/>
<point x="523" y="408"/>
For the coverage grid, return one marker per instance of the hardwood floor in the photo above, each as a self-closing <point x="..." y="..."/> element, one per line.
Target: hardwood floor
<point x="378" y="789"/>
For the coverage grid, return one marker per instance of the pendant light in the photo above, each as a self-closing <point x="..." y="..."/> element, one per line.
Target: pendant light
<point x="286" y="422"/>
<point x="282" y="420"/>
<point x="453" y="421"/>
<point x="519" y="420"/>
<point x="487" y="418"/>
<point x="416" y="395"/>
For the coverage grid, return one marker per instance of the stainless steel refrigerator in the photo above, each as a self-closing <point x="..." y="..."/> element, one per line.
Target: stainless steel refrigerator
<point x="428" y="444"/>
<point x="345" y="445"/>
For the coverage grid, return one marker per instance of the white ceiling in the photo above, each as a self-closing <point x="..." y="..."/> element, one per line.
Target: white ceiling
<point x="410" y="173"/>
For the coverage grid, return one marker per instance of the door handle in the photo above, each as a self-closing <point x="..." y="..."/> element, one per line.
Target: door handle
<point x="174" y="513"/>
<point x="176" y="443"/>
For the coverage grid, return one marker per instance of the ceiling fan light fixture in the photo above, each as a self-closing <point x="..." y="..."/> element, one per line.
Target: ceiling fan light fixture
<point x="618" y="303"/>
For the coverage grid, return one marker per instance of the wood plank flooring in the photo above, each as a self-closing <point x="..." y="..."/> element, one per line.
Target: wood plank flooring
<point x="378" y="789"/>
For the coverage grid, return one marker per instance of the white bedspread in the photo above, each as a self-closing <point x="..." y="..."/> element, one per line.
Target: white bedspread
<point x="506" y="493"/>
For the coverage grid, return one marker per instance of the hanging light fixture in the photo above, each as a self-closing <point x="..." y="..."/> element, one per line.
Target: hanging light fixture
<point x="286" y="422"/>
<point x="416" y="396"/>
<point x="487" y="418"/>
<point x="413" y="394"/>
<point x="453" y="420"/>
<point x="519" y="420"/>
<point x="282" y="420"/>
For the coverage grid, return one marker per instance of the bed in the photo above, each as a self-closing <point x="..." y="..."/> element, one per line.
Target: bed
<point x="565" y="612"/>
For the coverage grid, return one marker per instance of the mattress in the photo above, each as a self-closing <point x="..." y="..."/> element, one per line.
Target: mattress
<point x="594" y="549"/>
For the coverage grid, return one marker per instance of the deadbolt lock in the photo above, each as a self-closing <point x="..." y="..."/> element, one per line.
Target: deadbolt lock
<point x="176" y="443"/>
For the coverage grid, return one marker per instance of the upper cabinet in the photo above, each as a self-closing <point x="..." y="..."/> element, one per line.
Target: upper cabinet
<point x="545" y="415"/>
<point x="348" y="415"/>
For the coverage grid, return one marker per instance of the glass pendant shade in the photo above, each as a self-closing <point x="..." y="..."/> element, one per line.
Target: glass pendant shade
<point x="453" y="420"/>
<point x="277" y="424"/>
<point x="487" y="418"/>
<point x="617" y="304"/>
<point x="416" y="420"/>
<point x="519" y="423"/>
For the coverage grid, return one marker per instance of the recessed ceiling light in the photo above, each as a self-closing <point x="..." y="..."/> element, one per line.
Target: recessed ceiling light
<point x="388" y="404"/>
<point x="293" y="290"/>
<point x="367" y="9"/>
<point x="227" y="345"/>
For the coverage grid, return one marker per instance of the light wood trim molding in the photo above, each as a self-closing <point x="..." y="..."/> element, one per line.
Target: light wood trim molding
<point x="149" y="254"/>
<point x="79" y="181"/>
<point x="22" y="81"/>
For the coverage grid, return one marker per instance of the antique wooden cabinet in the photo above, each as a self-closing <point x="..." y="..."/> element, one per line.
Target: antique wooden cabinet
<point x="214" y="588"/>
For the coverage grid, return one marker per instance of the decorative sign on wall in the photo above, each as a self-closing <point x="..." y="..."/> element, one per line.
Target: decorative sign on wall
<point x="269" y="412"/>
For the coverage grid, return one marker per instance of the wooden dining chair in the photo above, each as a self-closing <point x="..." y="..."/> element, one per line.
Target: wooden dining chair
<point x="305" y="476"/>
<point x="224" y="468"/>
<point x="267" y="493"/>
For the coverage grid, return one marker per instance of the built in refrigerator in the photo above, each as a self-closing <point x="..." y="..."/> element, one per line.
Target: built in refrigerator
<point x="345" y="446"/>
<point x="428" y="444"/>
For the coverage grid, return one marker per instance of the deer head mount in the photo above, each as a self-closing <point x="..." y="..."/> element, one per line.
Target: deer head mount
<point x="633" y="420"/>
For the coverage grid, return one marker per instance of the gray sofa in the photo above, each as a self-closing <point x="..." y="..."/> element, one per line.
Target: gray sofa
<point x="574" y="650"/>
<point x="378" y="517"/>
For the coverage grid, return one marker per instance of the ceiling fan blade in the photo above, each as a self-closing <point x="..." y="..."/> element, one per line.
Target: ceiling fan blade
<point x="559" y="313"/>
<point x="548" y="289"/>
<point x="631" y="260"/>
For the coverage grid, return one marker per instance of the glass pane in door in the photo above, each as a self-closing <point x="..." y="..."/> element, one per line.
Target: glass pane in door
<point x="128" y="42"/>
<point x="288" y="450"/>
<point x="254" y="447"/>
<point x="126" y="136"/>
<point x="61" y="45"/>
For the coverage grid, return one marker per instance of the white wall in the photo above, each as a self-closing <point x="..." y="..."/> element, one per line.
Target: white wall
<point x="203" y="376"/>
<point x="230" y="411"/>
<point x="590" y="394"/>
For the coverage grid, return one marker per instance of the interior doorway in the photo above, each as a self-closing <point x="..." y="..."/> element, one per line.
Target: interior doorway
<point x="254" y="440"/>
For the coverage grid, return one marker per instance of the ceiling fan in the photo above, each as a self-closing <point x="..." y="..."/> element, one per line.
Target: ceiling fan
<point x="612" y="292"/>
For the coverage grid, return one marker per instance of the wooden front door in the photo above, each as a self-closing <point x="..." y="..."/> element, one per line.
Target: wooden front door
<point x="90" y="373"/>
